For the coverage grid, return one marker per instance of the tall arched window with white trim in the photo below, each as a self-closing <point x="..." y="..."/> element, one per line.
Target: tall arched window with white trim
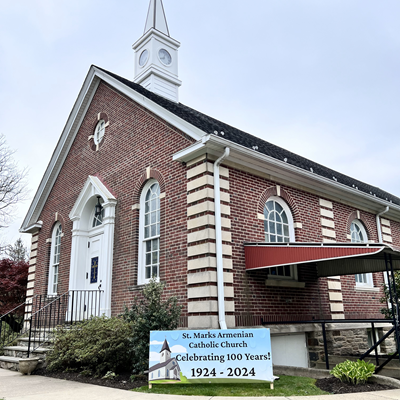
<point x="359" y="235"/>
<point x="149" y="232"/>
<point x="54" y="259"/>
<point x="279" y="228"/>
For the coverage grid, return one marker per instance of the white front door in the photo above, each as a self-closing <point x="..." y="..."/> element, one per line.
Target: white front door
<point x="92" y="245"/>
<point x="93" y="281"/>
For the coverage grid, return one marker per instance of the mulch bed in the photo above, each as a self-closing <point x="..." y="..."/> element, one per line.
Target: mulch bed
<point x="335" y="386"/>
<point x="331" y="384"/>
<point x="119" y="382"/>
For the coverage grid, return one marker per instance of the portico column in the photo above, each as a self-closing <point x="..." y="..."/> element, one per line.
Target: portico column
<point x="107" y="253"/>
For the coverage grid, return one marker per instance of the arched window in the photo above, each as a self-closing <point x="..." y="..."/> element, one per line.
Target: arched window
<point x="149" y="232"/>
<point x="54" y="259"/>
<point x="359" y="235"/>
<point x="278" y="227"/>
<point x="97" y="220"/>
<point x="278" y="223"/>
<point x="358" y="232"/>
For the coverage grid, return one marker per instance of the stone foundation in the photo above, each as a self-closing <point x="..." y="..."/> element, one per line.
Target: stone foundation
<point x="345" y="342"/>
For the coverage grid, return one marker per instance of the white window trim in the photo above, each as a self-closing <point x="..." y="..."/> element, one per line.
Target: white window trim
<point x="50" y="284"/>
<point x="292" y="238"/>
<point x="370" y="338"/>
<point x="369" y="284"/>
<point x="289" y="216"/>
<point x="142" y="253"/>
<point x="293" y="274"/>
<point x="100" y="128"/>
<point x="91" y="219"/>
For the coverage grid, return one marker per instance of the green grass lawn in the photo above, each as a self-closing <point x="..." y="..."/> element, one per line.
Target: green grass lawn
<point x="286" y="386"/>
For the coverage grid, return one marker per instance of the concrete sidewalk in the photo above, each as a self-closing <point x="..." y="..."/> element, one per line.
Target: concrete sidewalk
<point x="14" y="386"/>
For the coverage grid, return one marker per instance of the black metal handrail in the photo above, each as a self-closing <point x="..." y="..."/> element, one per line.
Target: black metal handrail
<point x="324" y="322"/>
<point x="12" y="322"/>
<point x="69" y="308"/>
<point x="46" y="313"/>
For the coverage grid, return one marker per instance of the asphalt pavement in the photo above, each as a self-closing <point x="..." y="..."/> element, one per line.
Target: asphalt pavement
<point x="15" y="386"/>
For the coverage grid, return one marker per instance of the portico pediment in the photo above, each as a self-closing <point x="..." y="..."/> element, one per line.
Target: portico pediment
<point x="93" y="188"/>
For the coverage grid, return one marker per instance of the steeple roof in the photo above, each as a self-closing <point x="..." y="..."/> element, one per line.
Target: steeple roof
<point x="165" y="346"/>
<point x="156" y="17"/>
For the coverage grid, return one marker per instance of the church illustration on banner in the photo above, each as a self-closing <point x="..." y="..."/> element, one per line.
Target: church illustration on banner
<point x="167" y="368"/>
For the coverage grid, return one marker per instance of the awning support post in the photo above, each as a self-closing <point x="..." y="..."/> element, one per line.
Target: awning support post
<point x="374" y="343"/>
<point x="325" y="345"/>
<point x="393" y="301"/>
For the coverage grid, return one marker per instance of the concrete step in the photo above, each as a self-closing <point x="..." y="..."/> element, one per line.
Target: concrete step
<point x="42" y="337"/>
<point x="21" y="352"/>
<point x="42" y="333"/>
<point x="24" y="342"/>
<point x="10" y="363"/>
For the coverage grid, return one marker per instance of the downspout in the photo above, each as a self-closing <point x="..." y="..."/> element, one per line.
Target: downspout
<point x="218" y="241"/>
<point x="378" y="223"/>
<point x="380" y="240"/>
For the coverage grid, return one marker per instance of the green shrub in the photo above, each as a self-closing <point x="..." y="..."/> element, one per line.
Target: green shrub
<point x="7" y="335"/>
<point x="354" y="372"/>
<point x="388" y="312"/>
<point x="110" y="375"/>
<point x="95" y="346"/>
<point x="150" y="313"/>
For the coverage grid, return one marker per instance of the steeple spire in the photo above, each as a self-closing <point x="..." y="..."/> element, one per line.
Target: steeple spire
<point x="156" y="55"/>
<point x="156" y="18"/>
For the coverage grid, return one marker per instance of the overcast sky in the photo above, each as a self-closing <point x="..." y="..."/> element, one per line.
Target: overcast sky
<point x="318" y="77"/>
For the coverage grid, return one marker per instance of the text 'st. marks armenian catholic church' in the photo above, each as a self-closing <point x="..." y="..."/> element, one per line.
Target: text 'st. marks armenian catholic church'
<point x="244" y="233"/>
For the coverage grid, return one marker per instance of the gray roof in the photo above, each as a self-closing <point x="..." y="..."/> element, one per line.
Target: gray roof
<point x="163" y="364"/>
<point x="212" y="126"/>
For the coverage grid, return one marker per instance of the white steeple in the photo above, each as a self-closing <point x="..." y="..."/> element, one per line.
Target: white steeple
<point x="156" y="55"/>
<point x="156" y="18"/>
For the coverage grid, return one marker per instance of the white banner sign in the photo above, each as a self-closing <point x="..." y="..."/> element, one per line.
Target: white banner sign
<point x="194" y="356"/>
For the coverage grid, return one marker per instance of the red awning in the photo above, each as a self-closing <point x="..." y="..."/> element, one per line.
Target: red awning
<point x="331" y="258"/>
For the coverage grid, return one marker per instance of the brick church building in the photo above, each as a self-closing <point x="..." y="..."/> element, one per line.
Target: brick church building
<point x="243" y="232"/>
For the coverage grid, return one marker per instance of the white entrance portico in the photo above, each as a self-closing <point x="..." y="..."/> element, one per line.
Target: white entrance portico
<point x="92" y="244"/>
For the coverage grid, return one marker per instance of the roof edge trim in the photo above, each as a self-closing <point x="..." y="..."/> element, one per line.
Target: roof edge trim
<point x="251" y="157"/>
<point x="69" y="132"/>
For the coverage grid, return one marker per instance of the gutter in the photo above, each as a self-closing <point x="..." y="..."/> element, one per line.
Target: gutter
<point x="218" y="241"/>
<point x="243" y="156"/>
<point x="31" y="228"/>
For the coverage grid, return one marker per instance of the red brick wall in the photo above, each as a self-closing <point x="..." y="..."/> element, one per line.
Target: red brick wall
<point x="358" y="303"/>
<point x="137" y="139"/>
<point x="395" y="228"/>
<point x="134" y="140"/>
<point x="252" y="296"/>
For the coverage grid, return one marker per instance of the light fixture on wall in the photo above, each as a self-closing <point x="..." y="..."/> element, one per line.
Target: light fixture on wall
<point x="98" y="208"/>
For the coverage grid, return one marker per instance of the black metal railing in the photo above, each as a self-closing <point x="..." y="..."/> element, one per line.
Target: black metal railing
<point x="45" y="313"/>
<point x="12" y="322"/>
<point x="69" y="308"/>
<point x="373" y="348"/>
